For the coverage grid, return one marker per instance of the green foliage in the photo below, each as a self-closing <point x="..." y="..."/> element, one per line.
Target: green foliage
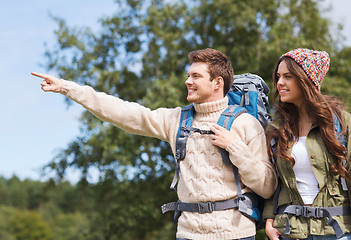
<point x="45" y="217"/>
<point x="6" y="212"/>
<point x="73" y="226"/>
<point x="140" y="55"/>
<point x="16" y="195"/>
<point x="339" y="80"/>
<point x="29" y="225"/>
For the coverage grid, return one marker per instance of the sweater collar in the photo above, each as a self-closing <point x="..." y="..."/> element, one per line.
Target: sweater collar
<point x="212" y="107"/>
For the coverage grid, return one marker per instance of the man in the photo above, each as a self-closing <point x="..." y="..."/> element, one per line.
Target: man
<point x="203" y="176"/>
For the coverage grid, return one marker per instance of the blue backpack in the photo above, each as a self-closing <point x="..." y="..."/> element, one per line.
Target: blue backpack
<point x="249" y="93"/>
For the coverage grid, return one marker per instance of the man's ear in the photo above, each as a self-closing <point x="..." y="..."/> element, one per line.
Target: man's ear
<point x="219" y="82"/>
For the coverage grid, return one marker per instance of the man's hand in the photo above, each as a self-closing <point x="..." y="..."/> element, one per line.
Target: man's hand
<point x="50" y="83"/>
<point x="222" y="137"/>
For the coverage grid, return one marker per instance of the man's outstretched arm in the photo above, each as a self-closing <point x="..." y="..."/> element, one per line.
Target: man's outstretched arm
<point x="129" y="116"/>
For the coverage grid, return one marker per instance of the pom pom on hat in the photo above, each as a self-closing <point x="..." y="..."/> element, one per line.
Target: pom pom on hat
<point x="314" y="63"/>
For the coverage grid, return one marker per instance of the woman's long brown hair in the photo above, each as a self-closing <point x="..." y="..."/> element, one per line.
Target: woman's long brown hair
<point x="321" y="107"/>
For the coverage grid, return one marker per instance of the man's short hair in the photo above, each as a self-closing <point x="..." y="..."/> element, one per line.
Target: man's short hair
<point x="218" y="65"/>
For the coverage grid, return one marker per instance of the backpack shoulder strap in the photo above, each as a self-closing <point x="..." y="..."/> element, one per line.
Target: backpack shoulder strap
<point x="186" y="120"/>
<point x="226" y="120"/>
<point x="341" y="138"/>
<point x="338" y="131"/>
<point x="273" y="145"/>
<point x="228" y="116"/>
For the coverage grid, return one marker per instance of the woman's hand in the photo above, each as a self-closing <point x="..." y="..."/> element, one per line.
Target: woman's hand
<point x="271" y="232"/>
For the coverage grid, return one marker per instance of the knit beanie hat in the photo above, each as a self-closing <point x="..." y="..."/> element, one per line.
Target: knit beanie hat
<point x="314" y="63"/>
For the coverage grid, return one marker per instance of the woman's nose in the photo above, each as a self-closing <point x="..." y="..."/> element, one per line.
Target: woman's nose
<point x="280" y="81"/>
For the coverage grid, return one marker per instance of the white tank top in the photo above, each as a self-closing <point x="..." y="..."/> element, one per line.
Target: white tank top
<point x="307" y="183"/>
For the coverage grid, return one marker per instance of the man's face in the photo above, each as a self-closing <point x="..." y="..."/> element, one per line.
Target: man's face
<point x="200" y="87"/>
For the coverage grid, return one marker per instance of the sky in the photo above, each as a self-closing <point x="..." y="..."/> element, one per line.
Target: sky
<point x="35" y="125"/>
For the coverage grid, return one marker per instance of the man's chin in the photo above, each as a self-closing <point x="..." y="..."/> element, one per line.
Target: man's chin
<point x="190" y="99"/>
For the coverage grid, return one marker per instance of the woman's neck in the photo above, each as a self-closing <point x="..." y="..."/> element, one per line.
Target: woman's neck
<point x="305" y="121"/>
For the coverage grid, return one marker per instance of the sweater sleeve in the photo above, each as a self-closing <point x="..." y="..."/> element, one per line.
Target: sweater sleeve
<point x="249" y="154"/>
<point x="129" y="116"/>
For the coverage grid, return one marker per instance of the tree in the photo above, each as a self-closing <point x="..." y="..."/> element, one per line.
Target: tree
<point x="29" y="225"/>
<point x="16" y="195"/>
<point x="73" y="226"/>
<point x="141" y="55"/>
<point x="338" y="82"/>
<point x="6" y="212"/>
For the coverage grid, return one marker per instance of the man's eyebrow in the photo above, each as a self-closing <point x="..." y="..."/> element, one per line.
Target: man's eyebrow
<point x="191" y="73"/>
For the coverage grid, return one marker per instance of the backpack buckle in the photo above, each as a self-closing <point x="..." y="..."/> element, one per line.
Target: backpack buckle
<point x="205" y="207"/>
<point x="308" y="211"/>
<point x="202" y="132"/>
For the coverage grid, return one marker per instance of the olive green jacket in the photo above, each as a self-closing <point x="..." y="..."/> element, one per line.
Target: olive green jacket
<point x="330" y="194"/>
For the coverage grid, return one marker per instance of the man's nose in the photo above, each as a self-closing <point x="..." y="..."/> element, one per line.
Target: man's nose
<point x="188" y="81"/>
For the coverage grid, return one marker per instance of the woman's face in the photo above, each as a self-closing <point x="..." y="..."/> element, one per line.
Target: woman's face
<point x="288" y="86"/>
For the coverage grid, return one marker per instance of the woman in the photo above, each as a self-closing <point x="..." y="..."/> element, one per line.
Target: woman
<point x="309" y="152"/>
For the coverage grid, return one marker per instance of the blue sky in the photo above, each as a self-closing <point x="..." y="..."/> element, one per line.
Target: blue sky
<point x="34" y="125"/>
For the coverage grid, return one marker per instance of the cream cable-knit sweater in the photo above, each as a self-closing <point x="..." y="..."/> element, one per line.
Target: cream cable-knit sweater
<point x="203" y="176"/>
